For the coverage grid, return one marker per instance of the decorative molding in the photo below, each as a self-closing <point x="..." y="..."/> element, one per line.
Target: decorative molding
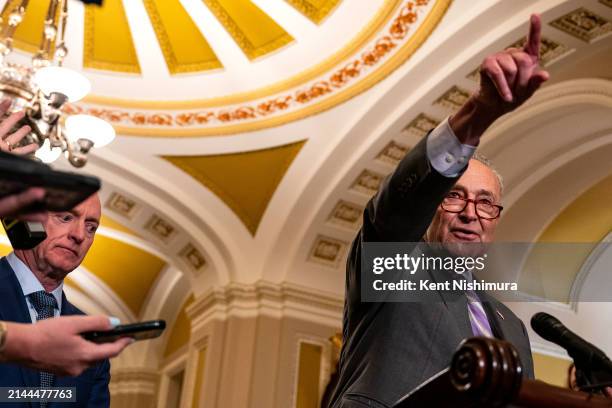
<point x="367" y="182"/>
<point x="550" y="50"/>
<point x="453" y="98"/>
<point x="134" y="381"/>
<point x="420" y="125"/>
<point x="192" y="257"/>
<point x="266" y="298"/>
<point x="122" y="205"/>
<point x="160" y="228"/>
<point x="346" y="214"/>
<point x="347" y="79"/>
<point x="327" y="251"/>
<point x="392" y="153"/>
<point x="583" y="24"/>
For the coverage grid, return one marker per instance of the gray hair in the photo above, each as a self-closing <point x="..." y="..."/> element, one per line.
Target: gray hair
<point x="484" y="160"/>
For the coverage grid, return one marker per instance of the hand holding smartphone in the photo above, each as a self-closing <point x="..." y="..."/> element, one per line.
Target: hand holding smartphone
<point x="137" y="331"/>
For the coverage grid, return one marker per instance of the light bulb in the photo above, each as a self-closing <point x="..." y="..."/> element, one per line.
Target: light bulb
<point x="99" y="131"/>
<point x="46" y="154"/>
<point x="62" y="80"/>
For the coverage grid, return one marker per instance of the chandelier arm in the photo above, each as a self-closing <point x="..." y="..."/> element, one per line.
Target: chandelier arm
<point x="49" y="34"/>
<point x="61" y="50"/>
<point x="14" y="19"/>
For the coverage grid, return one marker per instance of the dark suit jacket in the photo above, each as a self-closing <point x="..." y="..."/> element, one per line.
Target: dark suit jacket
<point x="91" y="385"/>
<point x="391" y="347"/>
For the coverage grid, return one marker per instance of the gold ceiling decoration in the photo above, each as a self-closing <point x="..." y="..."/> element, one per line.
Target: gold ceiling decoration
<point x="173" y="25"/>
<point x="244" y="181"/>
<point x="315" y="10"/>
<point x="370" y="29"/>
<point x="412" y="24"/>
<point x="107" y="42"/>
<point x="129" y="271"/>
<point x="253" y="30"/>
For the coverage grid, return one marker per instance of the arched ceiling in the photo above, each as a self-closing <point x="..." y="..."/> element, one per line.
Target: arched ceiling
<point x="277" y="193"/>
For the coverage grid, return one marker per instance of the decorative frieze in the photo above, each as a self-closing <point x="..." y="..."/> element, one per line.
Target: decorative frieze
<point x="583" y="24"/>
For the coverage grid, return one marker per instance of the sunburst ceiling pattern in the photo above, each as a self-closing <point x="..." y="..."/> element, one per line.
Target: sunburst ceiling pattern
<point x="109" y="44"/>
<point x="251" y="64"/>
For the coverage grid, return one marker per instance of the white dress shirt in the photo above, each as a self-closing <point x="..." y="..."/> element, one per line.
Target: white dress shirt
<point x="30" y="284"/>
<point x="445" y="152"/>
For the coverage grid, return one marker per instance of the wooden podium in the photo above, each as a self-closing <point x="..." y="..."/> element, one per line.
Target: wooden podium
<point x="487" y="372"/>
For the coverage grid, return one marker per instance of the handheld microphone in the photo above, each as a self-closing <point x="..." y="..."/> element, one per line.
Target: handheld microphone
<point x="583" y="352"/>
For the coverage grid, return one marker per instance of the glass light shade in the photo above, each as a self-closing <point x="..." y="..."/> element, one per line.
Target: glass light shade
<point x="63" y="80"/>
<point x="47" y="155"/>
<point x="99" y="131"/>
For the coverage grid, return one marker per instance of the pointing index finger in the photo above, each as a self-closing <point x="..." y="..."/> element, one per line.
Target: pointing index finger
<point x="532" y="46"/>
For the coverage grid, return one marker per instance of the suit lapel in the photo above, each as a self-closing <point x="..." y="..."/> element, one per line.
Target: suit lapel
<point x="13" y="308"/>
<point x="456" y="305"/>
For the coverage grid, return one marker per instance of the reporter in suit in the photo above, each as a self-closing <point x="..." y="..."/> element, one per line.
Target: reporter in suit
<point x="31" y="290"/>
<point x="28" y="344"/>
<point x="389" y="348"/>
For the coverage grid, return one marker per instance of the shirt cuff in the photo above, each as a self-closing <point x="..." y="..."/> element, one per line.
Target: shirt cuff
<point x="445" y="152"/>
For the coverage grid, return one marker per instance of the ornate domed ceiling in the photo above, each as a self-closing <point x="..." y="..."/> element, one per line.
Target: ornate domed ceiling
<point x="205" y="67"/>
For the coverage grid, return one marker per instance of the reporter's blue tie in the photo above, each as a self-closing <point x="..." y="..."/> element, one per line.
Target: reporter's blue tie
<point x="45" y="305"/>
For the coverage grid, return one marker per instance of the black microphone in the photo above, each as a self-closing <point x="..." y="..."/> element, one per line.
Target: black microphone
<point x="583" y="352"/>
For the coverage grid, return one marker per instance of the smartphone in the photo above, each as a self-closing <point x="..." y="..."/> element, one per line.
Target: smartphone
<point x="64" y="189"/>
<point x="137" y="331"/>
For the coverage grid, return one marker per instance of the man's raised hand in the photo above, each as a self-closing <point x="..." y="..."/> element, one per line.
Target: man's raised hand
<point x="508" y="78"/>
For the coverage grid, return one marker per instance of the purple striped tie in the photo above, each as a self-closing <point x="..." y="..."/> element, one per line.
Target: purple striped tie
<point x="478" y="317"/>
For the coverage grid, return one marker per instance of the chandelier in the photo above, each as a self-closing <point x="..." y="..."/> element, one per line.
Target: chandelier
<point x="44" y="86"/>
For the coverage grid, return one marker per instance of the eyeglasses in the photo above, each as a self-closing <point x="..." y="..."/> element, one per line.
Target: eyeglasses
<point x="484" y="209"/>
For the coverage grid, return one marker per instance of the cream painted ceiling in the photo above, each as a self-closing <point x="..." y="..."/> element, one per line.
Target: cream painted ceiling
<point x="217" y="176"/>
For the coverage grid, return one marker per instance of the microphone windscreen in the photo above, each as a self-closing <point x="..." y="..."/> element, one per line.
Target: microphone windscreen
<point x="547" y="326"/>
